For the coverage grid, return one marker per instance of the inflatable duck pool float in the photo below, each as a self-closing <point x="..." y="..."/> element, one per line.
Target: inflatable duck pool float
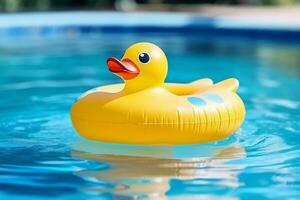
<point x="145" y="110"/>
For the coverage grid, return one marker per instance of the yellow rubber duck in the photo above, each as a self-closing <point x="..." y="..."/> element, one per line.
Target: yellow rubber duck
<point x="145" y="110"/>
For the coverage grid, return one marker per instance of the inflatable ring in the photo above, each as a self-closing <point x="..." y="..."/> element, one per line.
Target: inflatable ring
<point x="145" y="110"/>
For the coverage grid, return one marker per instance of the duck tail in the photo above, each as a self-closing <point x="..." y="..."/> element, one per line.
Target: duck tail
<point x="230" y="85"/>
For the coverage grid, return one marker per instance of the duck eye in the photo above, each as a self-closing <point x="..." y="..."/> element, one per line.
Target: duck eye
<point x="144" y="58"/>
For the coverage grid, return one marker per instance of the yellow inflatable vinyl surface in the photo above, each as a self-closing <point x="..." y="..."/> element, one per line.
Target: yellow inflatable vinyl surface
<point x="145" y="110"/>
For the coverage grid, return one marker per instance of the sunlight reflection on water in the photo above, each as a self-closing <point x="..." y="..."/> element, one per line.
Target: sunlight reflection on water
<point x="44" y="158"/>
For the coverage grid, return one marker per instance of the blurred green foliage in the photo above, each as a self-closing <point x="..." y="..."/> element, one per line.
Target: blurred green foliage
<point x="38" y="5"/>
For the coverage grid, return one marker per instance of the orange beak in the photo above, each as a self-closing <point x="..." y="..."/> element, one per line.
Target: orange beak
<point x="124" y="68"/>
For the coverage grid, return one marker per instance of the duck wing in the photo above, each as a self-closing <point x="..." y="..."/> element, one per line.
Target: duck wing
<point x="189" y="88"/>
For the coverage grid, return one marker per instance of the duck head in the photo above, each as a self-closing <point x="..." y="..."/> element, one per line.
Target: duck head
<point x="143" y="65"/>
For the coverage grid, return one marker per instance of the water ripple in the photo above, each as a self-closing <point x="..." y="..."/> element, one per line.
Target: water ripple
<point x="42" y="157"/>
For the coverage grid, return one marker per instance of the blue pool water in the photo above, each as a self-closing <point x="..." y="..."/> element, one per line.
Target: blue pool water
<point x="42" y="157"/>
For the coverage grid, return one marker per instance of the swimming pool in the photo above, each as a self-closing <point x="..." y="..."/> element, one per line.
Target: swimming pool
<point x="42" y="157"/>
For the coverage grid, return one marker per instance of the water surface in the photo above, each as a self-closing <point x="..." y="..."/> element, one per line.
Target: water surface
<point x="42" y="157"/>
